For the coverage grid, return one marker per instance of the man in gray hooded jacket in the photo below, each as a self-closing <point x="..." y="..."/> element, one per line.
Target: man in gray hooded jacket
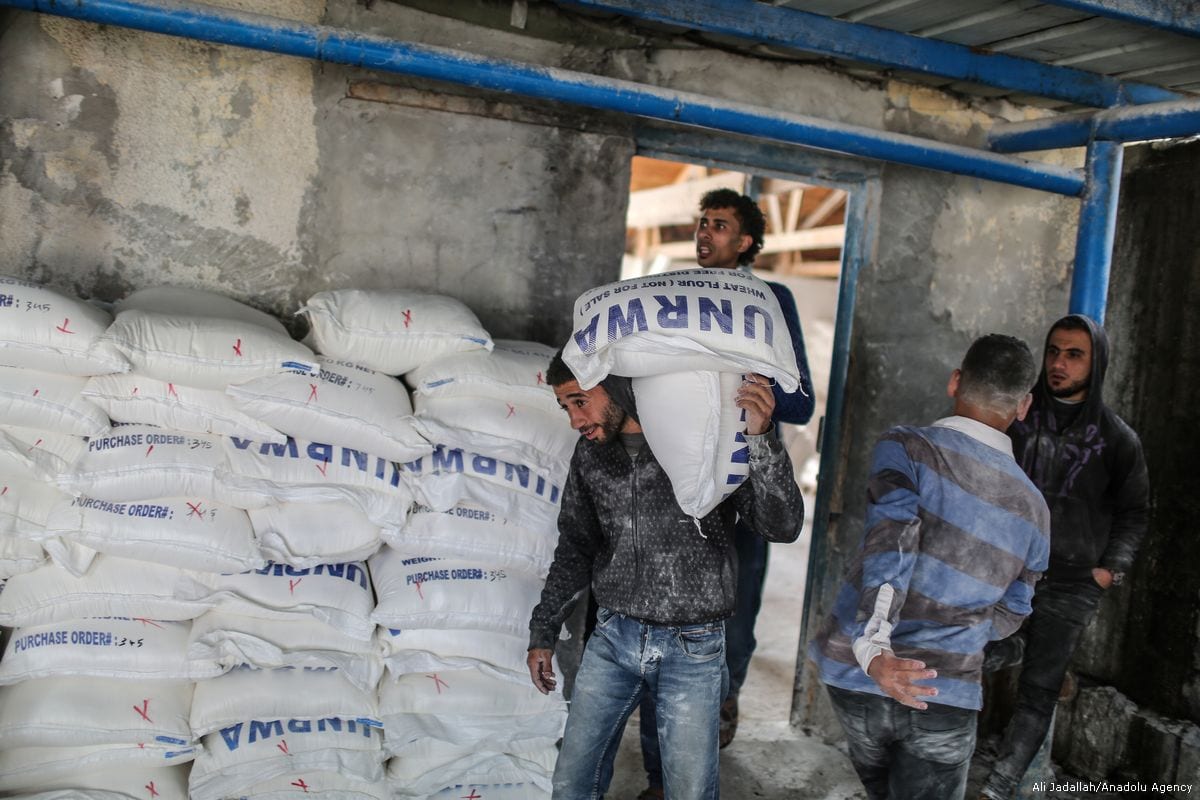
<point x="1089" y="466"/>
<point x="664" y="582"/>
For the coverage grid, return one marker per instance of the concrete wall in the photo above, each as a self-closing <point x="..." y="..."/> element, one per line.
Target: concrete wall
<point x="134" y="160"/>
<point x="1139" y="663"/>
<point x="129" y="160"/>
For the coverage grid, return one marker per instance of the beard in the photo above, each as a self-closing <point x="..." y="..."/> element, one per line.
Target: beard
<point x="610" y="424"/>
<point x="1069" y="389"/>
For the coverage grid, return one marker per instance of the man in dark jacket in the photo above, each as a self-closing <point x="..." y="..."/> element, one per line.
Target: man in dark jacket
<point x="664" y="582"/>
<point x="1089" y="466"/>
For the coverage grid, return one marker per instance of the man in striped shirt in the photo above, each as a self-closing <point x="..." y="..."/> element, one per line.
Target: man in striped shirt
<point x="956" y="538"/>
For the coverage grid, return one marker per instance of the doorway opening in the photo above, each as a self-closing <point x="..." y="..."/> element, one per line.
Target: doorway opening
<point x="803" y="247"/>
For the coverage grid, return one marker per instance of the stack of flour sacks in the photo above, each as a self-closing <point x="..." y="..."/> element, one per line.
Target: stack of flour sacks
<point x="97" y="683"/>
<point x="456" y="584"/>
<point x="241" y="484"/>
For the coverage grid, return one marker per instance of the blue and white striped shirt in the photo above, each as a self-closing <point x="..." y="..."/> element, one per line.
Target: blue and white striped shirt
<point x="961" y="536"/>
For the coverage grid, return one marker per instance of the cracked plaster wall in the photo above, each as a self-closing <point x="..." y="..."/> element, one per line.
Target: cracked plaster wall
<point x="132" y="159"/>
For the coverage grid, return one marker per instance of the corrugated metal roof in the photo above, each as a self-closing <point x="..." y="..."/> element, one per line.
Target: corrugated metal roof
<point x="1028" y="29"/>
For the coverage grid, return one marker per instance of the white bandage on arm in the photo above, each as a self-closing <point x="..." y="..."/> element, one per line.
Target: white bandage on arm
<point x="878" y="635"/>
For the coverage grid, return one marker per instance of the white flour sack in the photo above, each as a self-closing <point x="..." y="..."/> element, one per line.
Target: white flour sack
<point x="114" y="783"/>
<point x="345" y="404"/>
<point x="141" y="462"/>
<point x="303" y="694"/>
<point x="115" y="587"/>
<point x="431" y="766"/>
<point x="336" y="594"/>
<point x="696" y="431"/>
<point x="320" y="785"/>
<point x="440" y="593"/>
<point x="139" y="399"/>
<point x="19" y="555"/>
<point x="48" y="402"/>
<point x="517" y="490"/>
<point x="471" y="532"/>
<point x="188" y="533"/>
<point x="26" y="768"/>
<point x="512" y="366"/>
<point x="236" y="639"/>
<point x="72" y="711"/>
<point x="25" y="508"/>
<point x="468" y="708"/>
<point x="111" y="647"/>
<point x="695" y="319"/>
<point x="392" y="332"/>
<point x="261" y="473"/>
<point x="521" y="427"/>
<point x="250" y="752"/>
<point x="308" y="534"/>
<point x="430" y="650"/>
<point x="27" y="453"/>
<point x="43" y="329"/>
<point x="26" y="505"/>
<point x="182" y="301"/>
<point x="502" y="791"/>
<point x="207" y="352"/>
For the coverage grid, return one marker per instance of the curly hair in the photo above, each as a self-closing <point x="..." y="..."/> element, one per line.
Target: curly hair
<point x="558" y="372"/>
<point x="749" y="217"/>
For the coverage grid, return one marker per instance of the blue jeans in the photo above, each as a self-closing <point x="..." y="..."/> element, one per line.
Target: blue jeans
<point x="901" y="753"/>
<point x="739" y="637"/>
<point x="682" y="668"/>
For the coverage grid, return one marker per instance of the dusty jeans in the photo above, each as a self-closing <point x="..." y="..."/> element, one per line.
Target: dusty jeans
<point x="1061" y="610"/>
<point x="682" y="668"/>
<point x="901" y="753"/>
<point x="739" y="638"/>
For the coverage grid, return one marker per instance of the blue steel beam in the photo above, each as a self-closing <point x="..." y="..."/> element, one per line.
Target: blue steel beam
<point x="224" y="26"/>
<point x="1172" y="120"/>
<point x="801" y="30"/>
<point x="1097" y="229"/>
<point x="1176" y="16"/>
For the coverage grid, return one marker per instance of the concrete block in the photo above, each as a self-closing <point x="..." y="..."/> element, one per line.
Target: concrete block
<point x="1091" y="741"/>
<point x="1187" y="772"/>
<point x="1154" y="747"/>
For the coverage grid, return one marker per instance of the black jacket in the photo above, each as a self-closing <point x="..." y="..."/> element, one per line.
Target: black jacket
<point x="621" y="528"/>
<point x="1092" y="474"/>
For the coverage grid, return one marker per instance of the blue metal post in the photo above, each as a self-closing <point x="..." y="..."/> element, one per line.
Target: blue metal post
<point x="858" y="250"/>
<point x="197" y="21"/>
<point x="1175" y="119"/>
<point x="789" y="27"/>
<point x="1097" y="229"/>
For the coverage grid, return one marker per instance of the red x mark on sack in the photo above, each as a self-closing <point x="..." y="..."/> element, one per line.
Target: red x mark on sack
<point x="144" y="711"/>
